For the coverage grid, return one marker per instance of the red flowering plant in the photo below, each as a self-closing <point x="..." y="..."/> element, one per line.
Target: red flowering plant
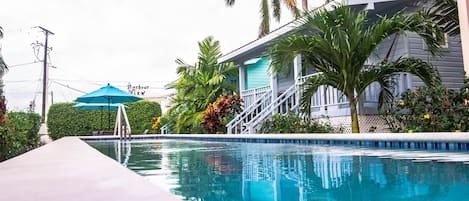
<point x="220" y="112"/>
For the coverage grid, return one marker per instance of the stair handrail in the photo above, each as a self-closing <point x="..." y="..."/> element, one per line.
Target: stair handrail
<point x="294" y="90"/>
<point x="242" y="117"/>
<point x="268" y="111"/>
<point x="239" y="119"/>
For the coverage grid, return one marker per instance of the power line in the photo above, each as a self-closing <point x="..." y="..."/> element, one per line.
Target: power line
<point x="23" y="64"/>
<point x="69" y="87"/>
<point x="19" y="81"/>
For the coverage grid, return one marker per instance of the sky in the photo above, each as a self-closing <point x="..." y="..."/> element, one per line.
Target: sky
<point x="113" y="41"/>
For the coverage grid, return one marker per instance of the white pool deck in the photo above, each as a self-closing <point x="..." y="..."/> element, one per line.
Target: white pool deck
<point x="69" y="169"/>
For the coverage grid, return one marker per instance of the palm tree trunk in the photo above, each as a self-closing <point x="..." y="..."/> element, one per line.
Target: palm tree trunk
<point x="305" y="5"/>
<point x="354" y="115"/>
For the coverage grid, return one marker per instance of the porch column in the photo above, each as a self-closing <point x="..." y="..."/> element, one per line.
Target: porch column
<point x="242" y="78"/>
<point x="297" y="68"/>
<point x="274" y="85"/>
<point x="463" y="9"/>
<point x="297" y="76"/>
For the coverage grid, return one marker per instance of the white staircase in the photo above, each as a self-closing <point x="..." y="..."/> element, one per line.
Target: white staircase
<point x="282" y="105"/>
<point x="251" y="119"/>
<point x="239" y="125"/>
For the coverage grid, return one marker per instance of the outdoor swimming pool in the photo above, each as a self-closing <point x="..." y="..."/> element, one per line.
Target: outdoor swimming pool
<point x="213" y="171"/>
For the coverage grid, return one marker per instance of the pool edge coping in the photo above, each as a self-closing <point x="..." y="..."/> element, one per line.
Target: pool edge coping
<point x="411" y="137"/>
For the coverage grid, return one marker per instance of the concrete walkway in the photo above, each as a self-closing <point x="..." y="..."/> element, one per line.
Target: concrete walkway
<point x="69" y="169"/>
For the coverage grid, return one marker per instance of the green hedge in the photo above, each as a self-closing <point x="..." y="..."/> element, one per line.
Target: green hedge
<point x="64" y="120"/>
<point x="141" y="113"/>
<point x="19" y="134"/>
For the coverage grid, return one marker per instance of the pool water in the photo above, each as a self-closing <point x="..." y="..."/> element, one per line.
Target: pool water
<point x="217" y="171"/>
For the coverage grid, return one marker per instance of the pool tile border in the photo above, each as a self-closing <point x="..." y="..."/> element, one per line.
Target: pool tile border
<point x="415" y="141"/>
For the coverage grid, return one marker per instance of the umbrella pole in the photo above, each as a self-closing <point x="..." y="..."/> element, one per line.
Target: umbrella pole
<point x="101" y="129"/>
<point x="109" y="113"/>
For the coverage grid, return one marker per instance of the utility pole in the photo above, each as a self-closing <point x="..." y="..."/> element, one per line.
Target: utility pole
<point x="44" y="77"/>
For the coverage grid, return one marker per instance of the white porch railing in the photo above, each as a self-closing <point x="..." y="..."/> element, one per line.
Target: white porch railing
<point x="252" y="95"/>
<point x="164" y="129"/>
<point x="326" y="101"/>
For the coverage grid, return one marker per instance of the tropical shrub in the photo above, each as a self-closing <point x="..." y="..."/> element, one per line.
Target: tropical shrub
<point x="5" y="143"/>
<point x="219" y="113"/>
<point x="64" y="120"/>
<point x="291" y="123"/>
<point x="430" y="109"/>
<point x="19" y="134"/>
<point x="199" y="85"/>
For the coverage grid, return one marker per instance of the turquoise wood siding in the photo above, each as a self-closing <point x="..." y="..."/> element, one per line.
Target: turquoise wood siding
<point x="257" y="74"/>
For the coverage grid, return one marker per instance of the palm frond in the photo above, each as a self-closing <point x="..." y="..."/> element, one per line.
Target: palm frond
<point x="276" y="8"/>
<point x="3" y="65"/>
<point x="283" y="52"/>
<point x="385" y="72"/>
<point x="229" y="2"/>
<point x="445" y="14"/>
<point x="309" y="88"/>
<point x="264" y="28"/>
<point x="292" y="6"/>
<point x="426" y="72"/>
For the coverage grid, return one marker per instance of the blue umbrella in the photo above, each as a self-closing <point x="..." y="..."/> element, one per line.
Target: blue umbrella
<point x="98" y="106"/>
<point x="108" y="94"/>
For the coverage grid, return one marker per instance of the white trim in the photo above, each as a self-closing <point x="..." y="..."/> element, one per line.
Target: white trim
<point x="242" y="78"/>
<point x="463" y="10"/>
<point x="252" y="61"/>
<point x="272" y="35"/>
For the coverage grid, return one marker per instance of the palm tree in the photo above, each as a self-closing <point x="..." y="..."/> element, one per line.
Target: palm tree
<point x="200" y="84"/>
<point x="264" y="27"/>
<point x="342" y="42"/>
<point x="3" y="66"/>
<point x="3" y="69"/>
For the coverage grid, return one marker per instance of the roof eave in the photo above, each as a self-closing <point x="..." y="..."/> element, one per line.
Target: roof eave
<point x="285" y="29"/>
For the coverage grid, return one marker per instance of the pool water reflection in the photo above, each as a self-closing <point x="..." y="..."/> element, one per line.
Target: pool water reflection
<point x="213" y="171"/>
